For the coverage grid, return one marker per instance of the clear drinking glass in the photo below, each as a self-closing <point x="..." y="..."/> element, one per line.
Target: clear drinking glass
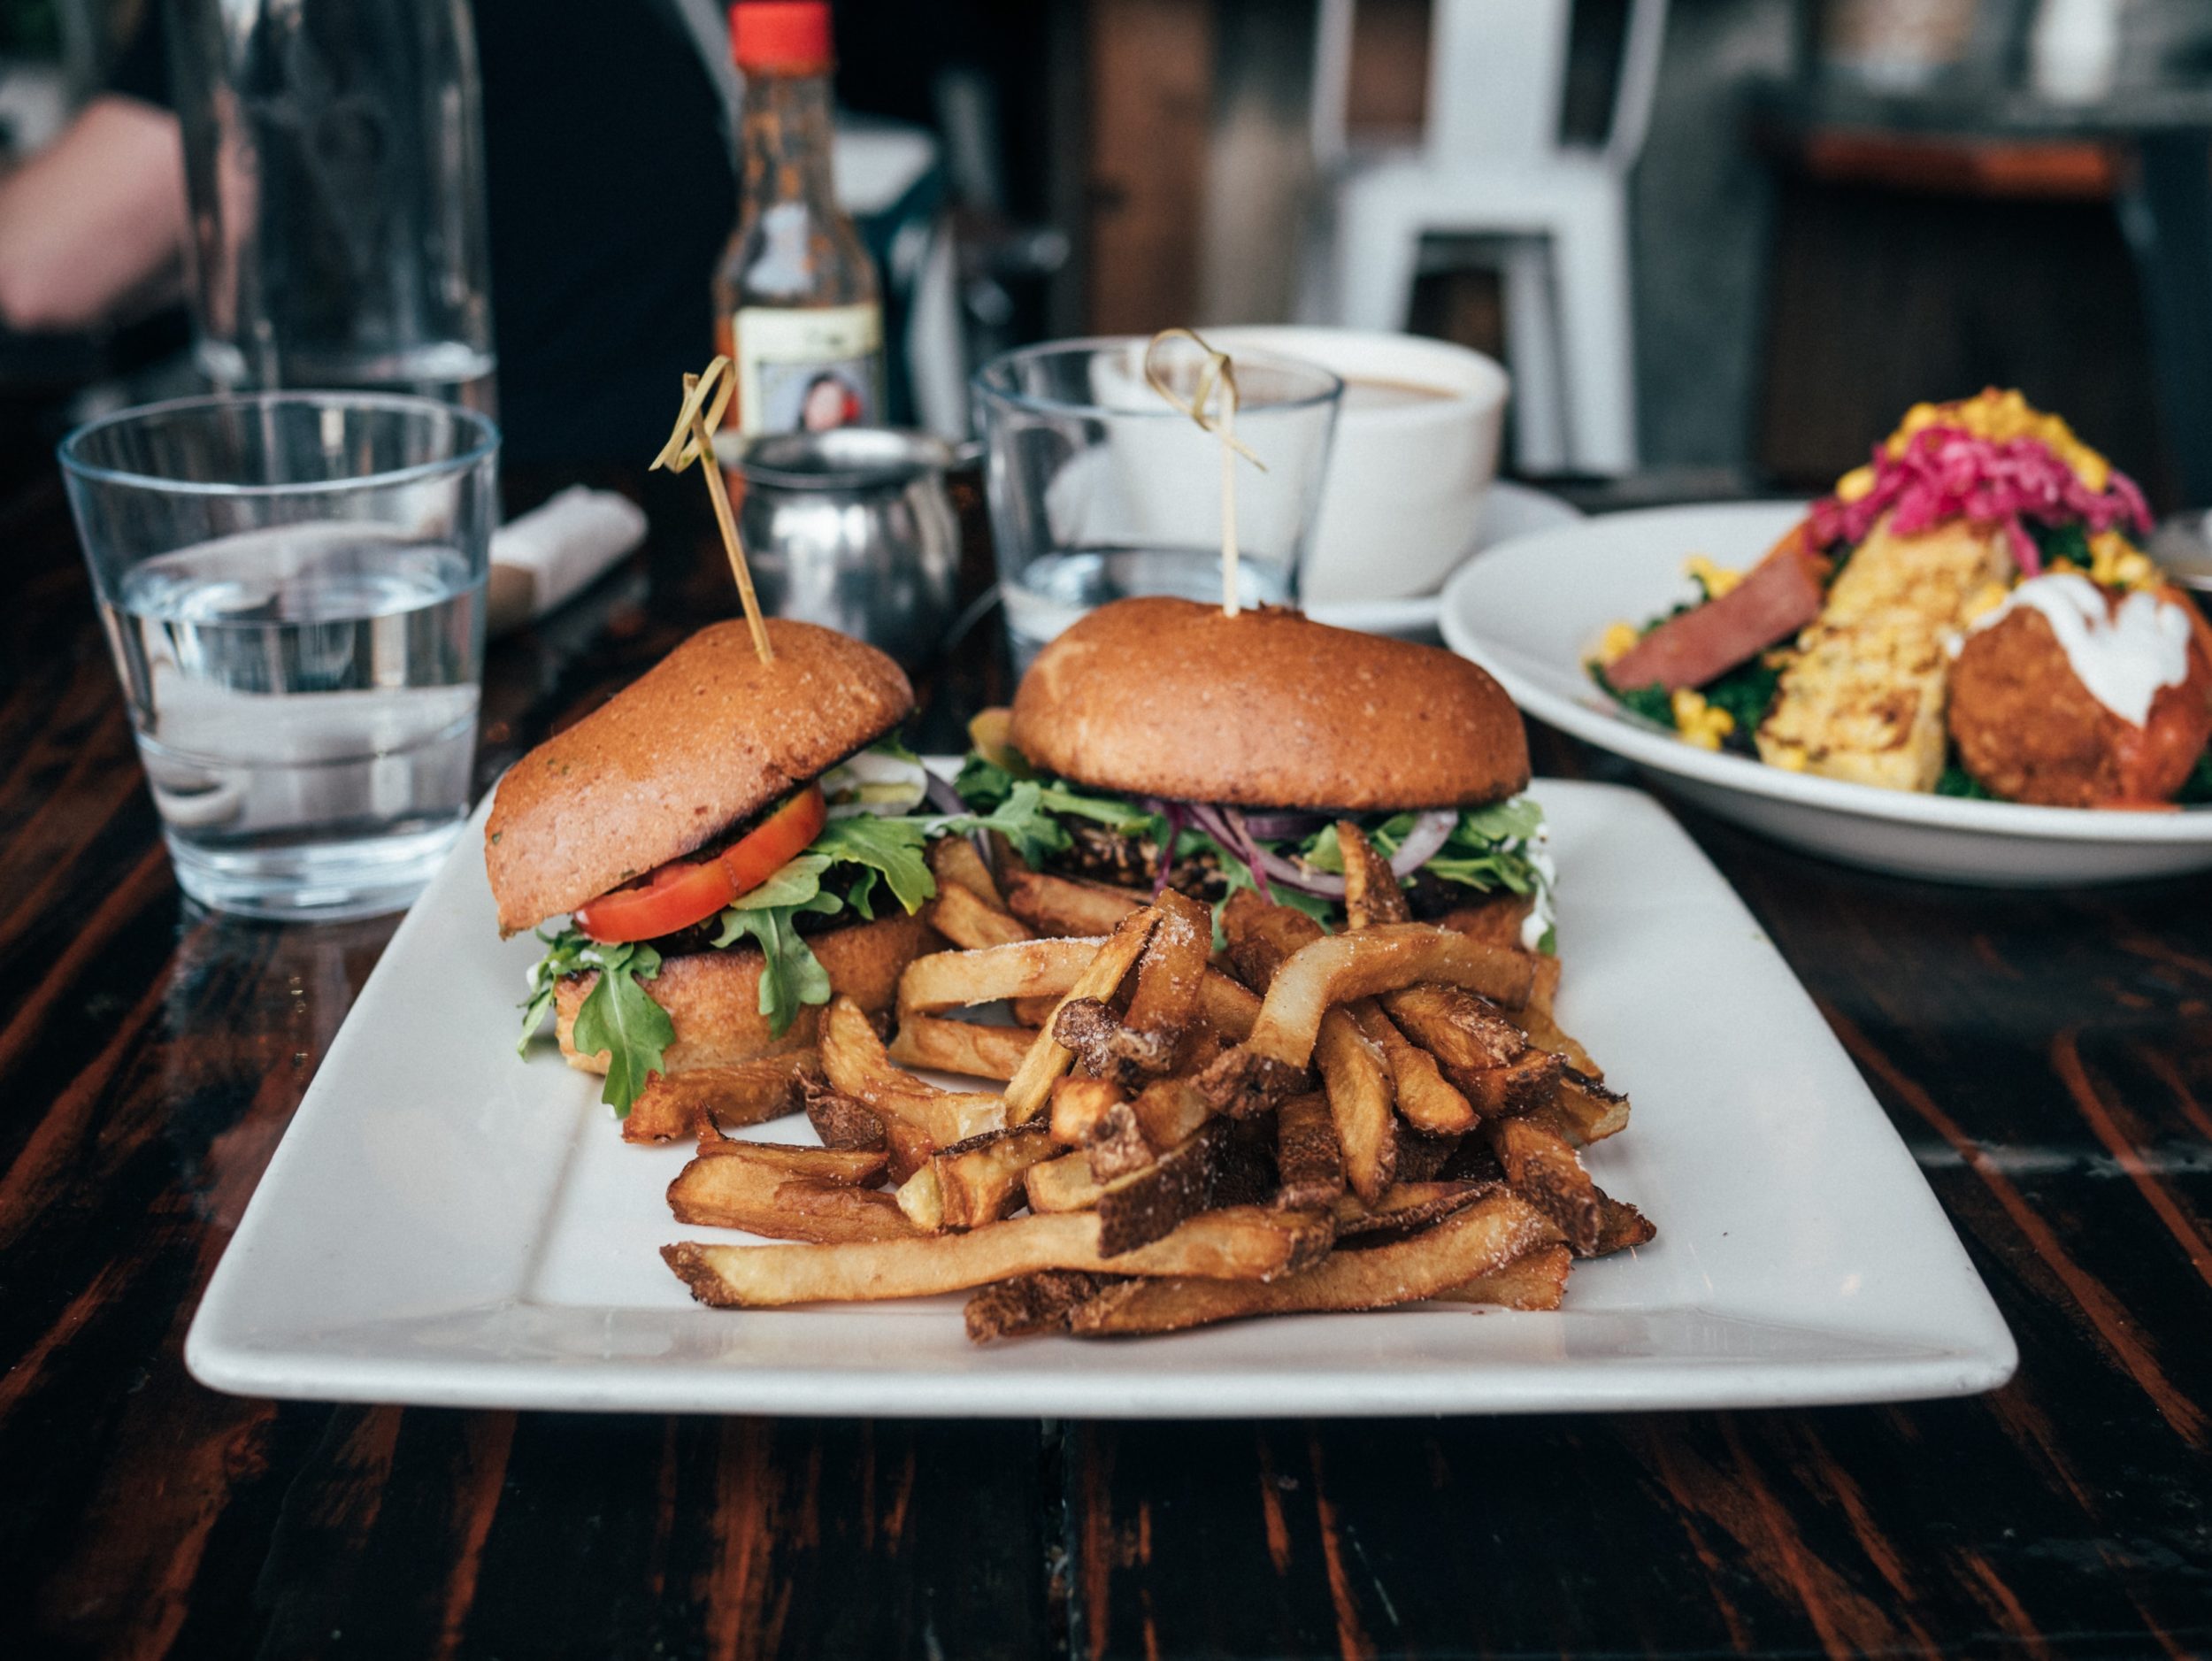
<point x="334" y="162"/>
<point x="1100" y="488"/>
<point x="293" y="586"/>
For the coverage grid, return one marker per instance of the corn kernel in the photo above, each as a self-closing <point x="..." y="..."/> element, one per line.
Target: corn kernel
<point x="1699" y="722"/>
<point x="1617" y="642"/>
<point x="1854" y="484"/>
<point x="1790" y="758"/>
<point x="1716" y="580"/>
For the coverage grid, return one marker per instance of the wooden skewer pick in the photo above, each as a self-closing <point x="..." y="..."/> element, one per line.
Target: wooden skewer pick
<point x="1216" y="383"/>
<point x="706" y="400"/>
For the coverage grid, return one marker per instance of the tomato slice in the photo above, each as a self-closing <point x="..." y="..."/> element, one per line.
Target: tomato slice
<point x="687" y="891"/>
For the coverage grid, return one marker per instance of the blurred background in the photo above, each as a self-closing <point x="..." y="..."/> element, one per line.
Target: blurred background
<point x="1721" y="244"/>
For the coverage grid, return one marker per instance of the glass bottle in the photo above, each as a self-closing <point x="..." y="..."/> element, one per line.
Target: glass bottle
<point x="796" y="303"/>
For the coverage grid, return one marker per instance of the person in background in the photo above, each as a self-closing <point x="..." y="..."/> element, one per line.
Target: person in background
<point x="611" y="189"/>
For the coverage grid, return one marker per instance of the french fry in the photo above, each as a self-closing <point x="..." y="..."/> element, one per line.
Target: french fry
<point x="1620" y="1226"/>
<point x="1244" y="1242"/>
<point x="1404" y="1206"/>
<point x="855" y="1062"/>
<point x="1424" y="1100"/>
<point x="755" y="1195"/>
<point x="1047" y="1058"/>
<point x="1065" y="905"/>
<point x="1111" y="1048"/>
<point x="1594" y="1111"/>
<point x="1034" y="1013"/>
<point x="963" y="917"/>
<point x="1227" y="1007"/>
<point x="955" y="863"/>
<point x="1545" y="1170"/>
<point x="840" y="1120"/>
<point x="1529" y="1081"/>
<point x="1064" y="1184"/>
<point x="1545" y="1034"/>
<point x="943" y="981"/>
<point x="1372" y="893"/>
<point x="1168" y="1112"/>
<point x="1374" y="961"/>
<point x="856" y="1167"/>
<point x="1536" y="1281"/>
<point x="1420" y="1158"/>
<point x="1172" y="971"/>
<point x="1144" y="1205"/>
<point x="971" y="1047"/>
<point x="1262" y="936"/>
<point x="1457" y="1028"/>
<point x="981" y="1180"/>
<point x="1543" y="983"/>
<point x="1126" y="1136"/>
<point x="1478" y="1241"/>
<point x="1079" y="1105"/>
<point x="1358" y="1087"/>
<point x="1495" y="920"/>
<point x="1031" y="1302"/>
<point x="677" y="1104"/>
<point x="1308" y="1159"/>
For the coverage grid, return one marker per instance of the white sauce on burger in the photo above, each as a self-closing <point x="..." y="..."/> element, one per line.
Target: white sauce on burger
<point x="2124" y="655"/>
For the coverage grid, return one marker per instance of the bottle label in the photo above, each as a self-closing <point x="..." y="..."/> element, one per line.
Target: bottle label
<point x="806" y="368"/>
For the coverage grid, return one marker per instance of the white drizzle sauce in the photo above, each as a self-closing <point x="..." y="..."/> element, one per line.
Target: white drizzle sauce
<point x="2124" y="655"/>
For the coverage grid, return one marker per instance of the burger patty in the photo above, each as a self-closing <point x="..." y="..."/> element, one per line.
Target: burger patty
<point x="1099" y="855"/>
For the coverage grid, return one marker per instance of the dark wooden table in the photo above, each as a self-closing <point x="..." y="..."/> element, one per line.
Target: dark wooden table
<point x="2049" y="1057"/>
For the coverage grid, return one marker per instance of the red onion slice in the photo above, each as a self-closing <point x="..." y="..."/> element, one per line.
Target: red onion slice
<point x="1425" y="841"/>
<point x="1224" y="829"/>
<point x="1283" y="828"/>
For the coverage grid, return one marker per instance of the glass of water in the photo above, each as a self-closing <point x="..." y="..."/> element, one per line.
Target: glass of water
<point x="293" y="585"/>
<point x="1101" y="489"/>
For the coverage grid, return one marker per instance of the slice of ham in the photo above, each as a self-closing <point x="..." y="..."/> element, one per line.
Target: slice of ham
<point x="1777" y="596"/>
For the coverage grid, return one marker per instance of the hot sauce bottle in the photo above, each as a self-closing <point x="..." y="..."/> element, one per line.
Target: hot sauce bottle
<point x="796" y="304"/>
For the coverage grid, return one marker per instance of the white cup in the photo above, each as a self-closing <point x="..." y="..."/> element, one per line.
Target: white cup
<point x="1408" y="472"/>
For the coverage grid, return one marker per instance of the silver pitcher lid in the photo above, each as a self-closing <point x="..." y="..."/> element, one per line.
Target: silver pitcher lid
<point x="844" y="459"/>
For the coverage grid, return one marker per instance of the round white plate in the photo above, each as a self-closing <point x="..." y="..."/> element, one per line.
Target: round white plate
<point x="1529" y="611"/>
<point x="1509" y="511"/>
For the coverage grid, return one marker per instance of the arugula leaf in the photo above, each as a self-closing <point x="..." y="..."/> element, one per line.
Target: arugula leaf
<point x="984" y="784"/>
<point x="791" y="975"/>
<point x="567" y="953"/>
<point x="620" y="1017"/>
<point x="794" y="884"/>
<point x="981" y="782"/>
<point x="891" y="846"/>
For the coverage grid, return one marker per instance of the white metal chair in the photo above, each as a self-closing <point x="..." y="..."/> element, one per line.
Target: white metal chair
<point x="1490" y="162"/>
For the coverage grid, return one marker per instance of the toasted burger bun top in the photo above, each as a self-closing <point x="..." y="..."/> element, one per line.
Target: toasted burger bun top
<point x="1265" y="709"/>
<point x="708" y="736"/>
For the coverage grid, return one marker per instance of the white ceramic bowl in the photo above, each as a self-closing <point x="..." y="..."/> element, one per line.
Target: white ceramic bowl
<point x="1529" y="611"/>
<point x="1403" y="501"/>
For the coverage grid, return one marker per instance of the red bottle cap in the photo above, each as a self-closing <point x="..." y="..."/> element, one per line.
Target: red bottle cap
<point x="790" y="37"/>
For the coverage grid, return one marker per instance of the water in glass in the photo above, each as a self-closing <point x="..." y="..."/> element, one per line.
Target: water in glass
<point x="304" y="699"/>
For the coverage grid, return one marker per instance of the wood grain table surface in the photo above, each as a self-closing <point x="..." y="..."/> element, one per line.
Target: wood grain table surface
<point x="2046" y="1057"/>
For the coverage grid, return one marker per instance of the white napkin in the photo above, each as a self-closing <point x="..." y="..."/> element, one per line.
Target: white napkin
<point x="551" y="553"/>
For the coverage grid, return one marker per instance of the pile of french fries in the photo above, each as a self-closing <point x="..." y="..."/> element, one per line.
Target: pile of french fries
<point x="1305" y="1122"/>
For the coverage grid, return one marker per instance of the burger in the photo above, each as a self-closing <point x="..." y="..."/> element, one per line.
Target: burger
<point x="1170" y="744"/>
<point x="722" y="847"/>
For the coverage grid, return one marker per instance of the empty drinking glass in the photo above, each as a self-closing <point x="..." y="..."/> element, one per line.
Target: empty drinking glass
<point x="293" y="586"/>
<point x="1101" y="489"/>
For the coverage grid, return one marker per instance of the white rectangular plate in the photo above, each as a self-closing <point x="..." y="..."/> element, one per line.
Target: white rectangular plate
<point x="445" y="1224"/>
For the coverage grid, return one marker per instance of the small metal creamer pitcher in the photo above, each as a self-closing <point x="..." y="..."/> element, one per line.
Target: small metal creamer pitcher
<point x="852" y="529"/>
